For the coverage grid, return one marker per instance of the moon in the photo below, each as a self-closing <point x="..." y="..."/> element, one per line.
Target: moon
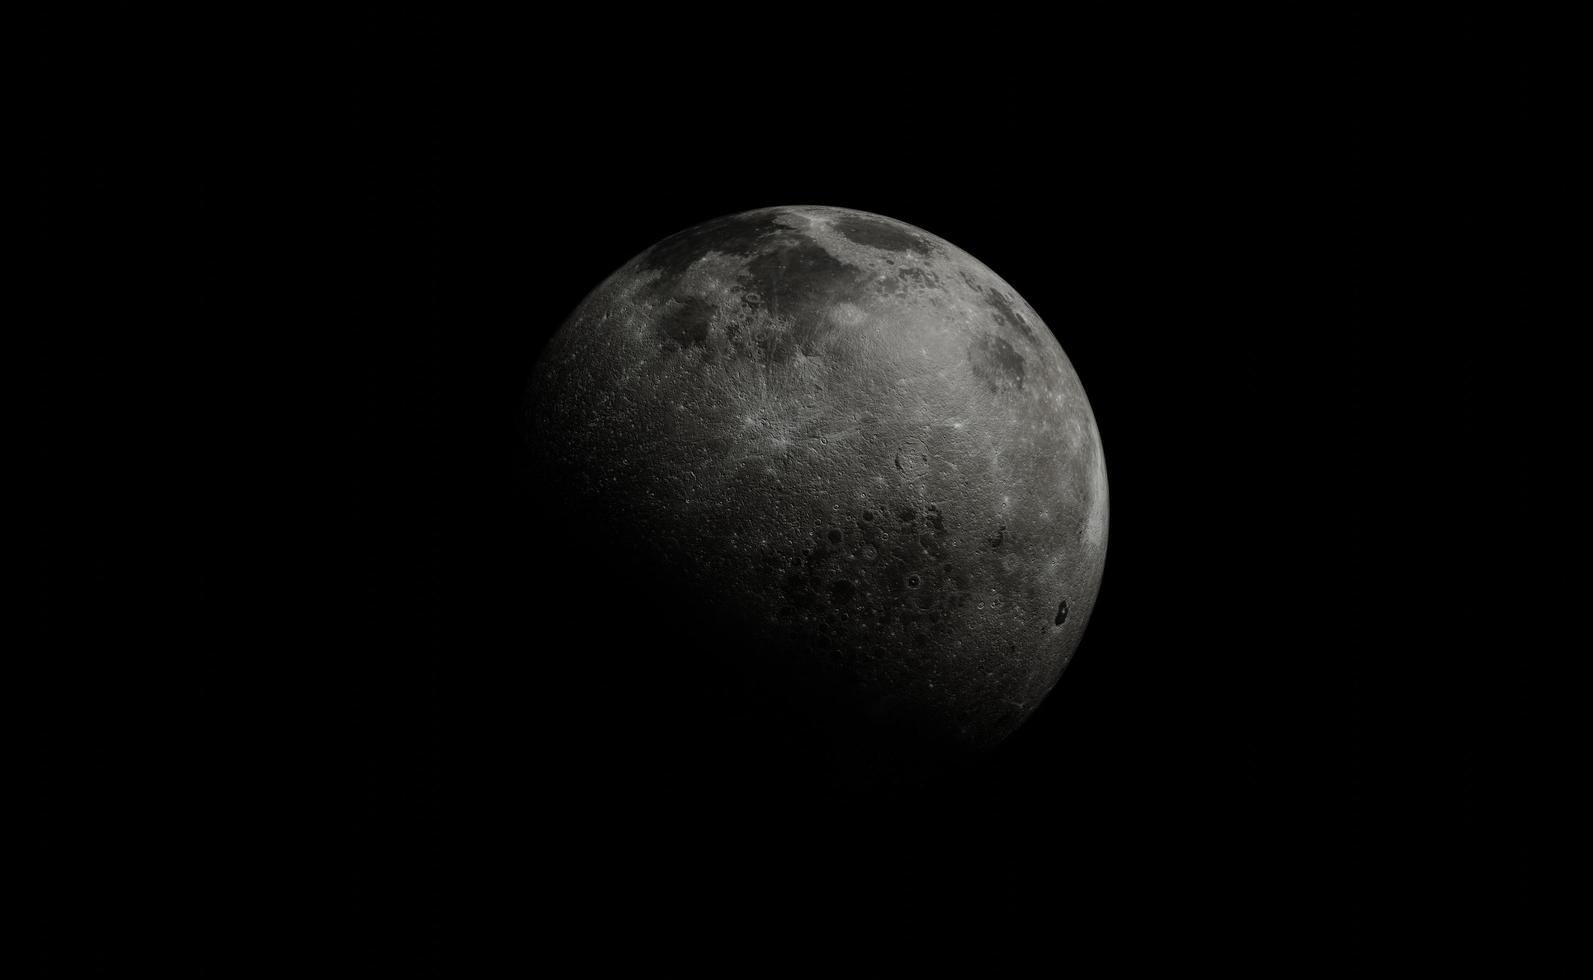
<point x="855" y="448"/>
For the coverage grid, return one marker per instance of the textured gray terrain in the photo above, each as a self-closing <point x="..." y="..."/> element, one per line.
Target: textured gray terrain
<point x="854" y="445"/>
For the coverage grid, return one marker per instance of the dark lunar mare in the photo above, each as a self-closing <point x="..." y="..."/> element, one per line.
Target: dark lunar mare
<point x="841" y="485"/>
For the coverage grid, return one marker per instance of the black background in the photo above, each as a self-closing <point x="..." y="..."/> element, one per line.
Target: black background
<point x="322" y="673"/>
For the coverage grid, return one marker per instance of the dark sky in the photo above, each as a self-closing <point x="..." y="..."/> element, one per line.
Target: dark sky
<point x="1304" y="271"/>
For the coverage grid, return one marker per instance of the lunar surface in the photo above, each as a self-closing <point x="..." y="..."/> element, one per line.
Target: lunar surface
<point x="854" y="447"/>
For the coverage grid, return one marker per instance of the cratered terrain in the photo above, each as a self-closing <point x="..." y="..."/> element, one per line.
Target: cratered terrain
<point x="852" y="453"/>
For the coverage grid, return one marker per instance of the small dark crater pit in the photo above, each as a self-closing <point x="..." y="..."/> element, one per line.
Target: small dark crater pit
<point x="1062" y="612"/>
<point x="913" y="581"/>
<point x="835" y="535"/>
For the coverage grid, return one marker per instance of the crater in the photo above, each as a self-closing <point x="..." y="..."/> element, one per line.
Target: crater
<point x="1062" y="613"/>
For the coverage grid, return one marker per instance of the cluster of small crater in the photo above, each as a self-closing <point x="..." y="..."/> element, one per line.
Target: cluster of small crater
<point x="870" y="579"/>
<point x="724" y="459"/>
<point x="881" y="585"/>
